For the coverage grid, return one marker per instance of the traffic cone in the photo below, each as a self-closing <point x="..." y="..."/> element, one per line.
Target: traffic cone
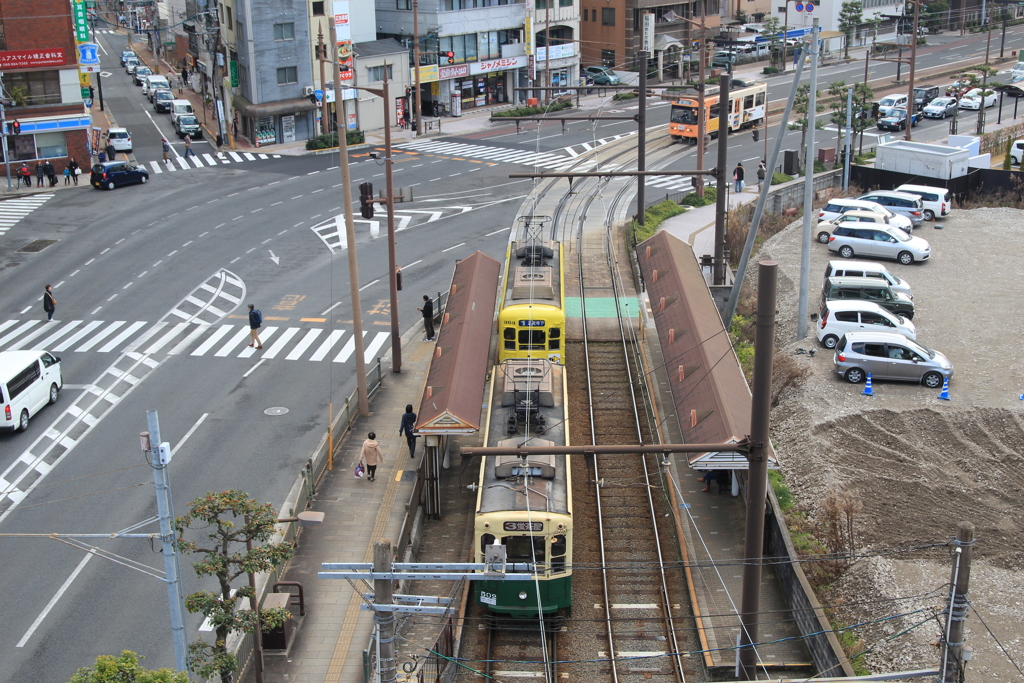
<point x="945" y="390"/>
<point x="868" y="391"/>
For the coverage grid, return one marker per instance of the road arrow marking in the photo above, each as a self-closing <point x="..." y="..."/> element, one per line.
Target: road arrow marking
<point x="275" y="259"/>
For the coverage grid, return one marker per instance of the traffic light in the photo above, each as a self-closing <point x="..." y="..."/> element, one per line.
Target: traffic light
<point x="15" y="128"/>
<point x="757" y="135"/>
<point x="449" y="56"/>
<point x="366" y="200"/>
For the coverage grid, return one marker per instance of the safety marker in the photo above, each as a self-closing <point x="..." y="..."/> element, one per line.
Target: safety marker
<point x="945" y="390"/>
<point x="868" y="391"/>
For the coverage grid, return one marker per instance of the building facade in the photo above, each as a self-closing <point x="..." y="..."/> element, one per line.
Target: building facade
<point x="41" y="80"/>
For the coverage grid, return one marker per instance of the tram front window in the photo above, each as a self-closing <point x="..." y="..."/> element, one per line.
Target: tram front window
<point x="684" y="115"/>
<point x="531" y="339"/>
<point x="517" y="549"/>
<point x="509" y="334"/>
<point x="558" y="547"/>
<point x="554" y="339"/>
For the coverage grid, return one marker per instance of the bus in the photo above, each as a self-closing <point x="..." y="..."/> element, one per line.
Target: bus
<point x="747" y="110"/>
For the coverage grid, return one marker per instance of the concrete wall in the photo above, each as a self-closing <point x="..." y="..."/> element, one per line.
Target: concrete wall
<point x="791" y="194"/>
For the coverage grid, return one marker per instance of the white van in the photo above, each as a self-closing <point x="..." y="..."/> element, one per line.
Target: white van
<point x="839" y="317"/>
<point x="28" y="381"/>
<point x="152" y="83"/>
<point x="180" y="108"/>
<point x="845" y="268"/>
<point x="935" y="201"/>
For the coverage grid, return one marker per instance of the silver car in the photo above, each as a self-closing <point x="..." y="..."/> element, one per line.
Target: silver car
<point x="900" y="203"/>
<point x="940" y="108"/>
<point x="887" y="355"/>
<point x="879" y="242"/>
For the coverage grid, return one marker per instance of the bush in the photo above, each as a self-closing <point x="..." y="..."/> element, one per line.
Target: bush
<point x="654" y="216"/>
<point x="352" y="137"/>
<point x="769" y="70"/>
<point x="819" y="166"/>
<point x="780" y="178"/>
<point x="782" y="492"/>
<point x="534" y="111"/>
<point x="710" y="196"/>
<point x="624" y="96"/>
<point x="1008" y="160"/>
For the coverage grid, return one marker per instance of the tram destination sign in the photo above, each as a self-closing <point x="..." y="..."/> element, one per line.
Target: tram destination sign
<point x="531" y="323"/>
<point x="523" y="526"/>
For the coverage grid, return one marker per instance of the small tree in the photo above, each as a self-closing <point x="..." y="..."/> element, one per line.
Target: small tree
<point x="125" y="669"/>
<point x="800" y="106"/>
<point x="863" y="96"/>
<point x="837" y="91"/>
<point x="772" y="28"/>
<point x="851" y="16"/>
<point x="932" y="15"/>
<point x="231" y="522"/>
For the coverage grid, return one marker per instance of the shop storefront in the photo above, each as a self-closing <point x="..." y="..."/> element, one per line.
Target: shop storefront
<point x="447" y="90"/>
<point x="560" y="65"/>
<point x="274" y="122"/>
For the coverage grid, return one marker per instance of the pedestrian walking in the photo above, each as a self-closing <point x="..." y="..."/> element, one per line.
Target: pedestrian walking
<point x="49" y="302"/>
<point x="111" y="152"/>
<point x="370" y="455"/>
<point x="428" y="318"/>
<point x="74" y="168"/>
<point x="26" y="174"/>
<point x="255" y="322"/>
<point x="737" y="175"/>
<point x="406" y="428"/>
<point x="188" y="146"/>
<point x="761" y="173"/>
<point x="51" y="173"/>
<point x="39" y="174"/>
<point x="167" y="154"/>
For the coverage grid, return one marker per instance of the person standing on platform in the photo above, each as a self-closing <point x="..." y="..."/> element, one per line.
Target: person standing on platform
<point x="406" y="428"/>
<point x="737" y="175"/>
<point x="428" y="318"/>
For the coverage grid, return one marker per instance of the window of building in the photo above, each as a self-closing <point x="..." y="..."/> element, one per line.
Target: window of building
<point x="33" y="87"/>
<point x="465" y="47"/>
<point x="38" y="146"/>
<point x="49" y="145"/>
<point x="287" y="75"/>
<point x="586" y="15"/>
<point x="540" y="4"/>
<point x="404" y="4"/>
<point x="565" y="3"/>
<point x="239" y="31"/>
<point x="230" y="22"/>
<point x="318" y="8"/>
<point x="376" y="73"/>
<point x="608" y="58"/>
<point x="490" y="43"/>
<point x="3" y="36"/>
<point x="607" y="16"/>
<point x="284" y="31"/>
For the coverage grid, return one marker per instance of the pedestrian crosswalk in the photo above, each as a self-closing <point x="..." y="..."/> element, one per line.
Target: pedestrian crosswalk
<point x="13" y="210"/>
<point x="190" y="339"/>
<point x="491" y="153"/>
<point x="206" y="160"/>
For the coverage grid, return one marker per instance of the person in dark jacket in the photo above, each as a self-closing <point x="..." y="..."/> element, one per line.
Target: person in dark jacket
<point x="49" y="302"/>
<point x="737" y="175"/>
<point x="73" y="167"/>
<point x="255" y="322"/>
<point x="428" y="318"/>
<point x="39" y="174"/>
<point x="406" y="428"/>
<point x="51" y="173"/>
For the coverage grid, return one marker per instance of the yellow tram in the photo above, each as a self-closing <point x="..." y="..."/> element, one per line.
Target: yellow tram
<point x="531" y="315"/>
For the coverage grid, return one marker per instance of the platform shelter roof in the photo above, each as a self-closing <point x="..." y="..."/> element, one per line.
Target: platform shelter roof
<point x="453" y="397"/>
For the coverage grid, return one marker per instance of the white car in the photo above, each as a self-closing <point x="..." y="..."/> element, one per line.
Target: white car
<point x="972" y="99"/>
<point x="837" y="207"/>
<point x="886" y="104"/>
<point x="837" y="317"/>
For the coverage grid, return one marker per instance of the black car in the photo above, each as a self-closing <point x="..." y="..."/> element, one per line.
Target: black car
<point x="113" y="174"/>
<point x="922" y="96"/>
<point x="1011" y="90"/>
<point x="162" y="100"/>
<point x="897" y="120"/>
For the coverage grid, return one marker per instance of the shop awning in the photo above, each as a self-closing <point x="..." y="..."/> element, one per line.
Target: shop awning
<point x="663" y="42"/>
<point x="298" y="104"/>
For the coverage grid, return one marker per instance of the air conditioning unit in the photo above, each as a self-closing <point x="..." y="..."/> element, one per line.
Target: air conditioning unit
<point x="308" y="90"/>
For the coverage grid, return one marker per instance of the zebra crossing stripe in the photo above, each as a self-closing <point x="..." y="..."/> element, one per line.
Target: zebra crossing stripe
<point x="201" y="329"/>
<point x="119" y="339"/>
<point x="325" y="348"/>
<point x="197" y="162"/>
<point x="26" y="339"/>
<point x="106" y="332"/>
<point x="155" y="165"/>
<point x="184" y="164"/>
<point x="209" y="159"/>
<point x="214" y="338"/>
<point x="65" y="329"/>
<point x="281" y="342"/>
<point x="78" y="336"/>
<point x="265" y="333"/>
<point x="304" y="344"/>
<point x="24" y="328"/>
<point x="234" y="341"/>
<point x="235" y="157"/>
<point x="166" y="339"/>
<point x="371" y="350"/>
<point x="248" y="156"/>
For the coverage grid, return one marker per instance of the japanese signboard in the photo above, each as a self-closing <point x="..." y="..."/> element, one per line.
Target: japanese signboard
<point x="343" y="34"/>
<point x="20" y="59"/>
<point x="81" y="20"/>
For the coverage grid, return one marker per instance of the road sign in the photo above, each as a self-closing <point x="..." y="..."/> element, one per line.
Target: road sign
<point x="88" y="54"/>
<point x="86" y="92"/>
<point x="810" y="7"/>
<point x="799" y="7"/>
<point x="318" y="94"/>
<point x="88" y="102"/>
<point x="81" y="21"/>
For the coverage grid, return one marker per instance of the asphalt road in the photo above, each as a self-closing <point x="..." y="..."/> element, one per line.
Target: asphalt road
<point x="135" y="262"/>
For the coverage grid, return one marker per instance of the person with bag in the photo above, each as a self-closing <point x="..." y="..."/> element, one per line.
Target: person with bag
<point x="26" y="174"/>
<point x="370" y="455"/>
<point x="406" y="428"/>
<point x="40" y="172"/>
<point x="49" y="302"/>
<point x="74" y="168"/>
<point x="166" y="147"/>
<point x="255" y="322"/>
<point x="737" y="175"/>
<point x="761" y="173"/>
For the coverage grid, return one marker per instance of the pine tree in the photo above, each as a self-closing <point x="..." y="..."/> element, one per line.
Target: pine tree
<point x="850" y="17"/>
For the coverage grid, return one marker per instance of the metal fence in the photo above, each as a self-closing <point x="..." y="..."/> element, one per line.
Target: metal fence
<point x="437" y="667"/>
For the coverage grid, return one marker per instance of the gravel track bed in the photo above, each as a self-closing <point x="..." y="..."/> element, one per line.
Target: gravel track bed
<point x="920" y="465"/>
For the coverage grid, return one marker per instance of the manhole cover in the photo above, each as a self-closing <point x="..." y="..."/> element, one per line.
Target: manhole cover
<point x="37" y="245"/>
<point x="275" y="411"/>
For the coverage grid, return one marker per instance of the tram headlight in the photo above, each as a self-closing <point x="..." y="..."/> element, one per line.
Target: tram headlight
<point x="522" y="595"/>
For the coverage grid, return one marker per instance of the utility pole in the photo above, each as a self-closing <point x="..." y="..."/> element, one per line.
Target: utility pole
<point x="641" y="149"/>
<point x="721" y="200"/>
<point x="757" y="463"/>
<point x="911" y="102"/>
<point x="4" y="133"/>
<point x="159" y="455"/>
<point x="809" y="214"/>
<point x="384" y="621"/>
<point x="350" y="230"/>
<point x="702" y="126"/>
<point x="321" y="56"/>
<point x="396" y="348"/>
<point x="956" y="613"/>
<point x="848" y="148"/>
<point x="418" y="120"/>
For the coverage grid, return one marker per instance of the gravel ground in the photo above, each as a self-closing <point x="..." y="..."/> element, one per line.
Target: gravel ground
<point x="920" y="465"/>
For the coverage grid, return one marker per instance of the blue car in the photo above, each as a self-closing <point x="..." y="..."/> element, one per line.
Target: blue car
<point x="111" y="174"/>
<point x="896" y="119"/>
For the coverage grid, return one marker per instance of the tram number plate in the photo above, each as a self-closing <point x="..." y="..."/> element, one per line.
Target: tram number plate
<point x="523" y="526"/>
<point x="531" y="323"/>
<point x="488" y="598"/>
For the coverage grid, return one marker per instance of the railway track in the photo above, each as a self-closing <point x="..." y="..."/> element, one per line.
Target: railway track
<point x="518" y="649"/>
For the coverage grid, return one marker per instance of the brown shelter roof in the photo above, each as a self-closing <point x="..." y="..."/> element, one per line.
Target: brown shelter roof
<point x="454" y="395"/>
<point x="711" y="396"/>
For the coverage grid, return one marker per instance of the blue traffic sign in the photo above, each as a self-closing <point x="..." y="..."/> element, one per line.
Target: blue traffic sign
<point x="799" y="7"/>
<point x="810" y="7"/>
<point x="88" y="54"/>
<point x="318" y="94"/>
<point x="88" y="102"/>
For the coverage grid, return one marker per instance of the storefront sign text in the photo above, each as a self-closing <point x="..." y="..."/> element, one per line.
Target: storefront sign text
<point x="498" y="64"/>
<point x="444" y="72"/>
<point x="20" y="59"/>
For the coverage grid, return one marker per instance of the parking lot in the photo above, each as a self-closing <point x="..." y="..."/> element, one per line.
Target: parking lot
<point x="920" y="465"/>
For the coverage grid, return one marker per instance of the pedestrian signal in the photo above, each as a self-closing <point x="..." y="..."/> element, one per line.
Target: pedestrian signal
<point x="448" y="56"/>
<point x="366" y="200"/>
<point x="15" y="128"/>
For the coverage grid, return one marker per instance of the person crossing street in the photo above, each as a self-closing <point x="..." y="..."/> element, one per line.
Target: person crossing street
<point x="255" y="322"/>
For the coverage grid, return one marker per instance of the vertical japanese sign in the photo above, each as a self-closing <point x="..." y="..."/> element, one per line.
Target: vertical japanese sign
<point x="343" y="32"/>
<point x="81" y="21"/>
<point x="647" y="41"/>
